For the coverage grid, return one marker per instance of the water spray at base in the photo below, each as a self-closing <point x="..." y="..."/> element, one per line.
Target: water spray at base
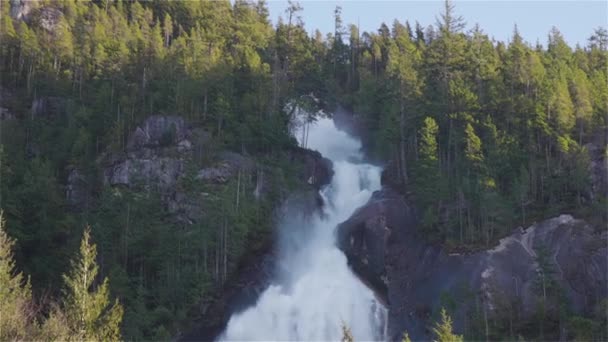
<point x="316" y="292"/>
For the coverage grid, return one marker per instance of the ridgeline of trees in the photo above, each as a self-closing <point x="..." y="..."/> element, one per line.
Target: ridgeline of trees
<point x="486" y="135"/>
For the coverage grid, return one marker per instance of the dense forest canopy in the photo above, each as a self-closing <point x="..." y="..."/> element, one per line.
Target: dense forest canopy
<point x="484" y="135"/>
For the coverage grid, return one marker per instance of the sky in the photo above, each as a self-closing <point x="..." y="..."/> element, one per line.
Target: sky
<point x="576" y="20"/>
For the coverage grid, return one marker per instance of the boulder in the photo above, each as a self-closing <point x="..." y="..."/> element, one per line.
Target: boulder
<point x="413" y="276"/>
<point x="159" y="131"/>
<point x="317" y="170"/>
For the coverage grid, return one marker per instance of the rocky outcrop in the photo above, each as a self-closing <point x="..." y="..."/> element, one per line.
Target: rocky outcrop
<point x="45" y="16"/>
<point x="156" y="172"/>
<point x="317" y="170"/>
<point x="48" y="18"/>
<point x="385" y="249"/>
<point x="155" y="155"/>
<point x="229" y="165"/>
<point x="159" y="151"/>
<point x="159" y="131"/>
<point x="20" y="9"/>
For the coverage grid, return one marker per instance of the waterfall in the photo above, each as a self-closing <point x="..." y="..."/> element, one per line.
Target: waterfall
<point x="316" y="292"/>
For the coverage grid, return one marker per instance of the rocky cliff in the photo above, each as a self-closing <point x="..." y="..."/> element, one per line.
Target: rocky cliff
<point x="508" y="280"/>
<point x="163" y="152"/>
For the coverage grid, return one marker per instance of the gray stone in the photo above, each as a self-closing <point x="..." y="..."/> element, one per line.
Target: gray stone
<point x="227" y="167"/>
<point x="20" y="9"/>
<point x="158" y="130"/>
<point x="317" y="170"/>
<point x="385" y="249"/>
<point x="161" y="173"/>
<point x="49" y="18"/>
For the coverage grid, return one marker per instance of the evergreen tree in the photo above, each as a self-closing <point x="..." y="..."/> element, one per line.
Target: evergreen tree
<point x="16" y="310"/>
<point x="428" y="183"/>
<point x="443" y="329"/>
<point x="89" y="312"/>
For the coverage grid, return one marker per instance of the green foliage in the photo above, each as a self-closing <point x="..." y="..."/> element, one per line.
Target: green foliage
<point x="16" y="307"/>
<point x="511" y="122"/>
<point x="484" y="133"/>
<point x="443" y="329"/>
<point x="89" y="313"/>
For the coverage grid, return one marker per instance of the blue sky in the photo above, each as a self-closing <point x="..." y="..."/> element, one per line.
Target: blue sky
<point x="575" y="19"/>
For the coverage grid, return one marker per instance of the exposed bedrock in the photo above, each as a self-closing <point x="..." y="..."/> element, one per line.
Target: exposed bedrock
<point x="414" y="277"/>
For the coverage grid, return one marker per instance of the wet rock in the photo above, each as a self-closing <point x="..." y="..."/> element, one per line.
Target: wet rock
<point x="382" y="244"/>
<point x="317" y="170"/>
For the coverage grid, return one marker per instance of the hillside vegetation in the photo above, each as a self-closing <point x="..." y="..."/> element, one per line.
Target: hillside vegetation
<point x="485" y="135"/>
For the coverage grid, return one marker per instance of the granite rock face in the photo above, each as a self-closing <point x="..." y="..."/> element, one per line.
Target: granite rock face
<point x="382" y="244"/>
<point x="20" y="9"/>
<point x="155" y="155"/>
<point x="161" y="149"/>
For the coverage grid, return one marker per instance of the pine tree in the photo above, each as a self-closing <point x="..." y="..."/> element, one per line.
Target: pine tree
<point x="443" y="330"/>
<point x="15" y="294"/>
<point x="427" y="182"/>
<point x="473" y="150"/>
<point x="90" y="316"/>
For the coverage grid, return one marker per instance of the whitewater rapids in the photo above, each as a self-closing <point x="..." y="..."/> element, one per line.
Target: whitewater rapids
<point x="316" y="292"/>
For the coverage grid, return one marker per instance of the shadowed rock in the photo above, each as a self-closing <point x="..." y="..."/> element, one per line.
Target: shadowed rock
<point x="413" y="276"/>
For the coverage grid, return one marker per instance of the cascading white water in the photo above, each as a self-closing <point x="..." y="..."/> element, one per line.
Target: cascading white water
<point x="316" y="292"/>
